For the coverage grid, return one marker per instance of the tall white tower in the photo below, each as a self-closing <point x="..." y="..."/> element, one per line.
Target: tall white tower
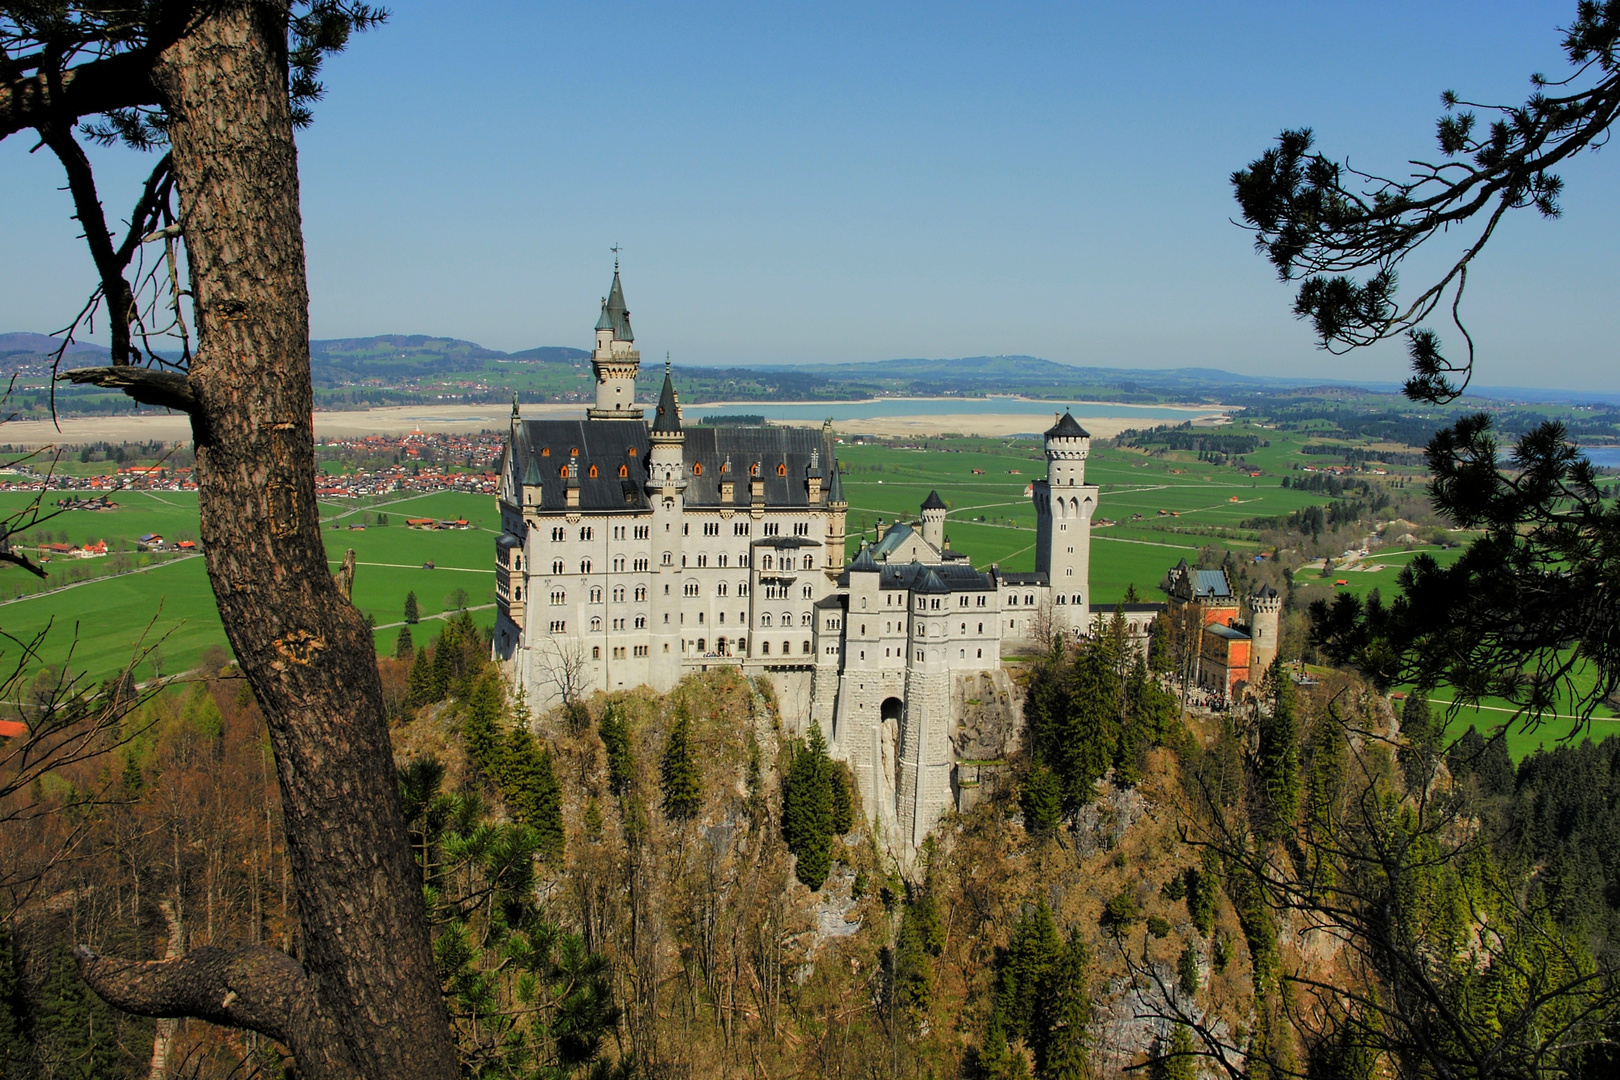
<point x="666" y="491"/>
<point x="615" y="360"/>
<point x="1064" y="504"/>
<point x="933" y="520"/>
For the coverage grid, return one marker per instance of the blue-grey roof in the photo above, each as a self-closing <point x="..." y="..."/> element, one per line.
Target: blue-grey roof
<point x="1211" y="583"/>
<point x="863" y="561"/>
<point x="912" y="576"/>
<point x="1067" y="427"/>
<point x="1222" y="631"/>
<point x="933" y="502"/>
<point x="892" y="539"/>
<point x="668" y="418"/>
<point x="615" y="314"/>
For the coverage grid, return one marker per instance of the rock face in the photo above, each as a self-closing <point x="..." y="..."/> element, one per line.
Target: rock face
<point x="986" y="708"/>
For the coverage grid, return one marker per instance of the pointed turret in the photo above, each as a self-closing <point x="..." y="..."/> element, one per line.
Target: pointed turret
<point x="615" y="361"/>
<point x="668" y="420"/>
<point x="835" y="489"/>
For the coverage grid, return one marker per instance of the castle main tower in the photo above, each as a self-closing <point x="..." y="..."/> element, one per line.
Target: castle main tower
<point x="1064" y="504"/>
<point x="615" y="359"/>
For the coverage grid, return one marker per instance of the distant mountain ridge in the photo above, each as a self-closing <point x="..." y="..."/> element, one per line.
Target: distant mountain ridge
<point x="384" y="357"/>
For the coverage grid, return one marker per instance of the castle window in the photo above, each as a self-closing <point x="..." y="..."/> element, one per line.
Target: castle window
<point x="1058" y="599"/>
<point x="1029" y="599"/>
<point x="545" y="451"/>
<point x="517" y="594"/>
<point x="668" y="558"/>
<point x="703" y="560"/>
<point x="703" y="644"/>
<point x="641" y="622"/>
<point x="587" y="533"/>
<point x="765" y="648"/>
<point x="1012" y="601"/>
<point x="618" y="563"/>
<point x="766" y="562"/>
<point x="584" y="566"/>
<point x="721" y="561"/>
<point x="981" y="628"/>
<point x="556" y="566"/>
<point x="618" y="594"/>
<point x="981" y="602"/>
<point x="765" y="620"/>
<point x="742" y="644"/>
<point x="781" y="470"/>
<point x="632" y="451"/>
<point x="804" y="619"/>
<point x="596" y="595"/>
<point x="697" y="468"/>
<point x="809" y="592"/>
<point x="787" y="648"/>
<point x="641" y="650"/>
<point x="574" y="452"/>
<point x="593" y="472"/>
<point x="742" y="588"/>
<point x="641" y="591"/>
<point x="559" y="626"/>
<point x="596" y="652"/>
<point x="689" y="589"/>
<point x="558" y="598"/>
<point x="809" y="561"/>
<point x="596" y="624"/>
<point x="1076" y="599"/>
<point x="753" y="470"/>
<point x="981" y="654"/>
<point x="720" y="589"/>
<point x="563" y="472"/>
<point x="806" y="649"/>
<point x="557" y="534"/>
<point x="624" y="471"/>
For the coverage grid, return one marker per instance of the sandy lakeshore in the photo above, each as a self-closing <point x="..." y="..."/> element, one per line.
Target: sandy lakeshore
<point x="462" y="419"/>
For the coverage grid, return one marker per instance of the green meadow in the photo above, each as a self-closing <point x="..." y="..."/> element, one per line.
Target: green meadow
<point x="165" y="614"/>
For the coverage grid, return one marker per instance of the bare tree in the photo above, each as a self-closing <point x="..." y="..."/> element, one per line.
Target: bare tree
<point x="566" y="668"/>
<point x="223" y="84"/>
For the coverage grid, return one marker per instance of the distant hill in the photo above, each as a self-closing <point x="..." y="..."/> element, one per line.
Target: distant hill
<point x="22" y="349"/>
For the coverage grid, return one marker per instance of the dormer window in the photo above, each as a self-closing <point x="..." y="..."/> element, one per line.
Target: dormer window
<point x="563" y="472"/>
<point x="574" y="452"/>
<point x="593" y="472"/>
<point x="632" y="451"/>
<point x="545" y="451"/>
<point x="753" y="470"/>
<point x="697" y="468"/>
<point x="624" y="471"/>
<point x="781" y="470"/>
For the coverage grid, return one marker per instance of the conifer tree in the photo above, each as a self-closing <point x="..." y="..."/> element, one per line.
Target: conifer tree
<point x="843" y="799"/>
<point x="807" y="810"/>
<point x="921" y="938"/>
<point x="998" y="1061"/>
<point x="1032" y="955"/>
<point x="1277" y="761"/>
<point x="529" y="786"/>
<point x="1178" y="1062"/>
<point x="1042" y="800"/>
<point x="615" y="735"/>
<point x="413" y="613"/>
<point x="1187" y="970"/>
<point x="482" y="728"/>
<point x="75" y="1033"/>
<point x="1060" y="1037"/>
<point x="419" y="687"/>
<point x="14" y="1051"/>
<point x="1201" y="892"/>
<point x="404" y="648"/>
<point x="1159" y="658"/>
<point x="1420" y="745"/>
<point x="678" y="773"/>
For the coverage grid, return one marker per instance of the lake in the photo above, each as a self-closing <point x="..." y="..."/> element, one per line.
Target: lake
<point x="955" y="406"/>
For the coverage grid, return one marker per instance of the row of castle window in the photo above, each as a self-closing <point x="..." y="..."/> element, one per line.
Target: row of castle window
<point x="559" y="597"/>
<point x="588" y="532"/>
<point x="1061" y="599"/>
<point x="1029" y="600"/>
<point x="619" y="651"/>
<point x="787" y="619"/>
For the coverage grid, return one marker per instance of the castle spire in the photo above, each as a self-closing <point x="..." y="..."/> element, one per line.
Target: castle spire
<point x="668" y="419"/>
<point x="615" y="361"/>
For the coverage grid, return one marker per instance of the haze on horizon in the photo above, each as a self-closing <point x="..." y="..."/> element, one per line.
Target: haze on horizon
<point x="842" y="183"/>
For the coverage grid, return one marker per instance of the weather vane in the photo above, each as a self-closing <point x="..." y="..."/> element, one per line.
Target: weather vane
<point x="615" y="249"/>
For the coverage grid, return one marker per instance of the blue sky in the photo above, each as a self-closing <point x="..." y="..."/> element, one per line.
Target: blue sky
<point x="839" y="182"/>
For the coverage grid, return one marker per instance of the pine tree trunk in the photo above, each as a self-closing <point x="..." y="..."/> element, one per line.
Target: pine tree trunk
<point x="365" y="1001"/>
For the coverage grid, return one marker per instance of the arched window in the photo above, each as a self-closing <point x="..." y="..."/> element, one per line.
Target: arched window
<point x="596" y="594"/>
<point x="593" y="472"/>
<point x="766" y="563"/>
<point x="517" y="593"/>
<point x="765" y="620"/>
<point x="618" y="594"/>
<point x="596" y="624"/>
<point x="753" y="470"/>
<point x="556" y="566"/>
<point x="804" y="618"/>
<point x="624" y="471"/>
<point x="809" y="561"/>
<point x="781" y="470"/>
<point x="574" y="452"/>
<point x="641" y="592"/>
<point x="703" y="560"/>
<point x="545" y="451"/>
<point x="584" y="566"/>
<point x="632" y="451"/>
<point x="722" y="560"/>
<point x="558" y="598"/>
<point x="720" y="589"/>
<point x="563" y="472"/>
<point x="697" y="468"/>
<point x="668" y="558"/>
<point x="787" y="618"/>
<point x="764" y="648"/>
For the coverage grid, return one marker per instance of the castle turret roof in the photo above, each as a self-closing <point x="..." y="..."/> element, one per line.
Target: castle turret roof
<point x="615" y="316"/>
<point x="863" y="561"/>
<point x="933" y="502"/>
<point x="1266" y="592"/>
<point x="1067" y="427"/>
<point x="668" y="420"/>
<point x="835" y="489"/>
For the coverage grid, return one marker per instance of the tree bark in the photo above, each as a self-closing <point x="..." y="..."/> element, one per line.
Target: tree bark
<point x="365" y="1002"/>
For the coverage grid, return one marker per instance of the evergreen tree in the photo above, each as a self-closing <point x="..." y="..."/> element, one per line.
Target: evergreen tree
<point x="1159" y="658"/>
<point x="843" y="799"/>
<point x="1187" y="970"/>
<point x="413" y="613"/>
<point x="529" y="786"/>
<point x="615" y="735"/>
<point x="921" y="939"/>
<point x="404" y="648"/>
<point x="1060" y="1037"/>
<point x="1042" y="800"/>
<point x="1032" y="955"/>
<point x="807" y="810"/>
<point x="679" y="777"/>
<point x="75" y="1032"/>
<point x="998" y="1061"/>
<point x="1277" y="761"/>
<point x="1202" y="885"/>
<point x="1179" y="1062"/>
<point x="419" y="687"/>
<point x="15" y="1059"/>
<point x="481" y="730"/>
<point x="1420" y="741"/>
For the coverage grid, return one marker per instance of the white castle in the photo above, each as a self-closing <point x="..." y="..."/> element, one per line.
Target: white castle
<point x="633" y="553"/>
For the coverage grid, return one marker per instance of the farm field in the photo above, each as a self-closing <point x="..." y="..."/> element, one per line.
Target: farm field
<point x="95" y="625"/>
